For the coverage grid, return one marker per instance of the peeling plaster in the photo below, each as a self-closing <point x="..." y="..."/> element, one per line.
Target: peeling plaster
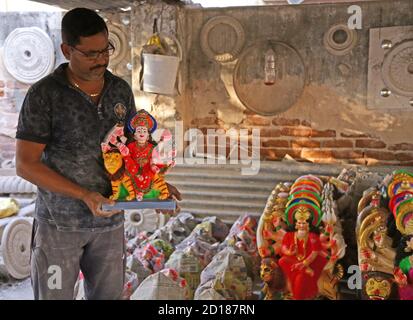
<point x="327" y="109"/>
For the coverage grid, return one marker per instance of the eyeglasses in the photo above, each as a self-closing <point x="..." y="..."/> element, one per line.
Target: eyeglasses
<point x="94" y="55"/>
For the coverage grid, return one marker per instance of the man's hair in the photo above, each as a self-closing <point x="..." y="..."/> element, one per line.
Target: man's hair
<point x="81" y="22"/>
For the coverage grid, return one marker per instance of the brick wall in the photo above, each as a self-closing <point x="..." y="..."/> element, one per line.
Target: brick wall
<point x="281" y="137"/>
<point x="330" y="122"/>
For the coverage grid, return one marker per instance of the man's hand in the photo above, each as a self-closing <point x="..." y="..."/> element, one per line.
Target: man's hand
<point x="95" y="200"/>
<point x="173" y="194"/>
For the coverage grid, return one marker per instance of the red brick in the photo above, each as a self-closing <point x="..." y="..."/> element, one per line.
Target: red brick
<point x="285" y="122"/>
<point x="249" y="112"/>
<point x="369" y="143"/>
<point x="401" y="147"/>
<point x="337" y="143"/>
<point x="404" y="156"/>
<point x="347" y="154"/>
<point x="268" y="154"/>
<point x="316" y="154"/>
<point x="380" y="155"/>
<point x="306" y="123"/>
<point x="256" y="120"/>
<point x="355" y="135"/>
<point x="296" y="132"/>
<point x="273" y="133"/>
<point x="323" y="134"/>
<point x="276" y="143"/>
<point x="305" y="143"/>
<point x="278" y="154"/>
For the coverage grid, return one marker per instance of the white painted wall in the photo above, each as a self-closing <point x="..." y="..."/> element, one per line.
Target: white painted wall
<point x="25" y="5"/>
<point x="241" y="3"/>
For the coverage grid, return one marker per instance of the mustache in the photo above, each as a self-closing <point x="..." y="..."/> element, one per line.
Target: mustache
<point x="99" y="66"/>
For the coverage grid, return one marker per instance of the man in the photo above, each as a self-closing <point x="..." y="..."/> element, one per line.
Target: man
<point x="64" y="118"/>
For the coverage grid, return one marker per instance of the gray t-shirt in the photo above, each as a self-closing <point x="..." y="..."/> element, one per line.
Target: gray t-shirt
<point x="72" y="127"/>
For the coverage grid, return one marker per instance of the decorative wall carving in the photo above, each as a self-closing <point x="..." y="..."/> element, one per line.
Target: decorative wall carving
<point x="222" y="38"/>
<point x="340" y="40"/>
<point x="390" y="74"/>
<point x="29" y="54"/>
<point x="120" y="41"/>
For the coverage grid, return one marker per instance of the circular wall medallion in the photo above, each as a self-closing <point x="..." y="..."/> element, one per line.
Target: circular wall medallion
<point x="28" y="54"/>
<point x="249" y="78"/>
<point x="222" y="38"/>
<point x="397" y="70"/>
<point x="119" y="40"/>
<point x="340" y="40"/>
<point x="15" y="245"/>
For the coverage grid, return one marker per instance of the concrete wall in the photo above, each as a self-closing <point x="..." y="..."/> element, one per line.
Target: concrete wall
<point x="12" y="92"/>
<point x="328" y="123"/>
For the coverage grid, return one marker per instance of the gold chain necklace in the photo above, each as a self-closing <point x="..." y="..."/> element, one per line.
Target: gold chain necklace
<point x="93" y="95"/>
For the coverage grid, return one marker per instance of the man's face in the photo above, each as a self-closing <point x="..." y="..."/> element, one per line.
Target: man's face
<point x="81" y="63"/>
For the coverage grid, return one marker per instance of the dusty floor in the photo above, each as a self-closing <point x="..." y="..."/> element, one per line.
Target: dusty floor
<point x="12" y="289"/>
<point x="16" y="290"/>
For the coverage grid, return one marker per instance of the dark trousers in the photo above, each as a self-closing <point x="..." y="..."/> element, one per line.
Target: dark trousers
<point x="57" y="257"/>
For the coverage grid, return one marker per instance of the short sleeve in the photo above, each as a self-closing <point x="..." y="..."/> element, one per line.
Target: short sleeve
<point x="34" y="119"/>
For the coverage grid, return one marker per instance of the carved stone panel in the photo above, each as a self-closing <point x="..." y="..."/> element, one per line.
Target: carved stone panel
<point x="390" y="74"/>
<point x="119" y="40"/>
<point x="339" y="40"/>
<point x="222" y="38"/>
<point x="29" y="54"/>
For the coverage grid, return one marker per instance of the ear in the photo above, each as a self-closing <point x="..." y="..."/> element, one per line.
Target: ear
<point x="65" y="50"/>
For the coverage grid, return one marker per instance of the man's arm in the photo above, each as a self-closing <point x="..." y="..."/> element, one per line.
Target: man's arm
<point x="29" y="167"/>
